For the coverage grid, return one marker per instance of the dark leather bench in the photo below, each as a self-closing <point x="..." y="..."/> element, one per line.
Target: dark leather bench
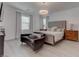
<point x="34" y="42"/>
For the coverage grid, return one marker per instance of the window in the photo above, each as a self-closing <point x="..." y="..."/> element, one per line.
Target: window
<point x="25" y="22"/>
<point x="44" y="23"/>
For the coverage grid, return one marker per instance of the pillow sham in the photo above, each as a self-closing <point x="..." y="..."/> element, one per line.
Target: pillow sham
<point x="54" y="28"/>
<point x="60" y="29"/>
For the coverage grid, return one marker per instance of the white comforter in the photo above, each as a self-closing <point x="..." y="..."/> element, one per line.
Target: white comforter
<point x="57" y="36"/>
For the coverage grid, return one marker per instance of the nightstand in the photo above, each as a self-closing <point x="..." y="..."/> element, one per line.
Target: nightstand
<point x="71" y="35"/>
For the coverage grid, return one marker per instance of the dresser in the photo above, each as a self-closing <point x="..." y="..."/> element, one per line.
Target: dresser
<point x="71" y="35"/>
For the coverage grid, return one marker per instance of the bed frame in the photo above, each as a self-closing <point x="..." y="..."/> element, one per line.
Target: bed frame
<point x="61" y="24"/>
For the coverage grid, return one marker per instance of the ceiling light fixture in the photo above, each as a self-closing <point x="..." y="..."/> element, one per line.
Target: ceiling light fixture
<point x="43" y="10"/>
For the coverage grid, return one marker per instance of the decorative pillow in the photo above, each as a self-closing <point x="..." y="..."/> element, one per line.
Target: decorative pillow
<point x="54" y="28"/>
<point x="49" y="29"/>
<point x="60" y="29"/>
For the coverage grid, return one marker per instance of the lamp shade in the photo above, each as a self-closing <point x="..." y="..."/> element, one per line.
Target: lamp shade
<point x="43" y="12"/>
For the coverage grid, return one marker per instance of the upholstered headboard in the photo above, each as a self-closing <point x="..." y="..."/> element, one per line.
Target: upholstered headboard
<point x="57" y="23"/>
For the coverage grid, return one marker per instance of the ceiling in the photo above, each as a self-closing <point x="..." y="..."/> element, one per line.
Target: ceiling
<point x="35" y="6"/>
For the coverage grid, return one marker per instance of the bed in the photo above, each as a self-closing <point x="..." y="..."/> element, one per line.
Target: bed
<point x="53" y="37"/>
<point x="55" y="32"/>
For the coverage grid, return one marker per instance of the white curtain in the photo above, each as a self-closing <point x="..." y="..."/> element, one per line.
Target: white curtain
<point x="47" y="19"/>
<point x="31" y="23"/>
<point x="41" y="21"/>
<point x="18" y="25"/>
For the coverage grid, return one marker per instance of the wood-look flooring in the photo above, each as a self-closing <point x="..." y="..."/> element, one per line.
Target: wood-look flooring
<point x="14" y="48"/>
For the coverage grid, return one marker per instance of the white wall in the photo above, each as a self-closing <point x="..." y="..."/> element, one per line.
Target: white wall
<point x="71" y="15"/>
<point x="9" y="22"/>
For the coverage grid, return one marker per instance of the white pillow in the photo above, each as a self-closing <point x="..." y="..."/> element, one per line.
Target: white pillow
<point x="60" y="29"/>
<point x="48" y="29"/>
<point x="53" y="28"/>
